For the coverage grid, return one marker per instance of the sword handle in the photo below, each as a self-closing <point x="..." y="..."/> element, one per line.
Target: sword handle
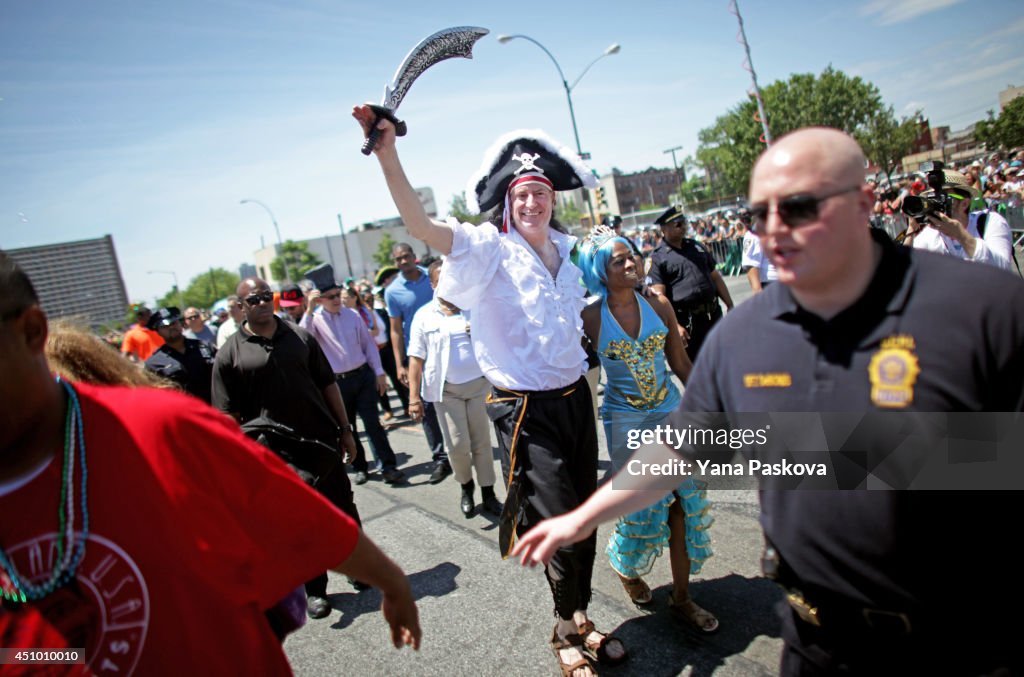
<point x="371" y="138"/>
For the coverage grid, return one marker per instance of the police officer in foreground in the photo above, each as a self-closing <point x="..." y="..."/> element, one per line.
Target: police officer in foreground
<point x="876" y="582"/>
<point x="185" y="361"/>
<point x="684" y="271"/>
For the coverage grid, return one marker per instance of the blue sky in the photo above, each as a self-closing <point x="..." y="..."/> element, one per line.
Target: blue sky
<point x="151" y="121"/>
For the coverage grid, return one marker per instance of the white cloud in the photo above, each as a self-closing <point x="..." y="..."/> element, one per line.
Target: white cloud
<point x="897" y="11"/>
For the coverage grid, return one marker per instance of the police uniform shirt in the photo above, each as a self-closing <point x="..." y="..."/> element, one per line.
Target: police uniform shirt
<point x="685" y="272"/>
<point x="930" y="334"/>
<point x="281" y="378"/>
<point x="191" y="370"/>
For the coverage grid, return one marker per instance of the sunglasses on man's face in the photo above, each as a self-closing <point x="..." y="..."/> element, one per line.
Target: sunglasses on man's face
<point x="263" y="297"/>
<point x="795" y="210"/>
<point x="189" y="318"/>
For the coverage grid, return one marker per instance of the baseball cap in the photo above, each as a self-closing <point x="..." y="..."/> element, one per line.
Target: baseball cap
<point x="291" y="296"/>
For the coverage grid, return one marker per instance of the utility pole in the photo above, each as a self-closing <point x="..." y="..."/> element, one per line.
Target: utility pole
<point x="344" y="244"/>
<point x="679" y="182"/>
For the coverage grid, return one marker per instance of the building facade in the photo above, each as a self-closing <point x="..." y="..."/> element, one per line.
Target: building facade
<point x="626" y="193"/>
<point x="79" y="281"/>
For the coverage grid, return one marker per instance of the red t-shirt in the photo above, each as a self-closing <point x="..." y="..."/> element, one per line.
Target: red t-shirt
<point x="141" y="341"/>
<point x="194" y="531"/>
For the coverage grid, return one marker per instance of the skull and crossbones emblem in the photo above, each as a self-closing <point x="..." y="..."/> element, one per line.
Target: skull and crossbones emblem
<point x="526" y="161"/>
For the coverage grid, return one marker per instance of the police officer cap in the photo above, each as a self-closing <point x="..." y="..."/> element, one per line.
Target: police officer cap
<point x="670" y="215"/>
<point x="519" y="156"/>
<point x="322" y="277"/>
<point x="163" y="317"/>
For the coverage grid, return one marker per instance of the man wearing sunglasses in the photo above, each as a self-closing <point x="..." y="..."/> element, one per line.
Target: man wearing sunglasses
<point x="981" y="236"/>
<point x="195" y="328"/>
<point x="274" y="369"/>
<point x="684" y="271"/>
<point x="857" y="323"/>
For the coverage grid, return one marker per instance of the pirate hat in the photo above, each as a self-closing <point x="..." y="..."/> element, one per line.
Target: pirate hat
<point x="322" y="277"/>
<point x="521" y="156"/>
<point x="670" y="215"/>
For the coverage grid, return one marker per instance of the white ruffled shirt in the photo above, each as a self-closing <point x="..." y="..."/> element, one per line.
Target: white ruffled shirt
<point x="526" y="326"/>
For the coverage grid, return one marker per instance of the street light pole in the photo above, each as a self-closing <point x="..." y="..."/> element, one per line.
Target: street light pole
<point x="181" y="299"/>
<point x="679" y="183"/>
<point x="280" y="244"/>
<point x="612" y="49"/>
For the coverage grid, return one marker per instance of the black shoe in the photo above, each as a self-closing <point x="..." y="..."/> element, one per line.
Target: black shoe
<point x="359" y="585"/>
<point x="317" y="607"/>
<point x="393" y="476"/>
<point x="360" y="477"/>
<point x="466" y="503"/>
<point x="492" y="505"/>
<point x="441" y="470"/>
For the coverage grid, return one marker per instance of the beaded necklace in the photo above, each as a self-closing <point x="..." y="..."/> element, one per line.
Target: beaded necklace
<point x="69" y="552"/>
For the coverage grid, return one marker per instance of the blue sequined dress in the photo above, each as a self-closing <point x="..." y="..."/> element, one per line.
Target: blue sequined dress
<point x="639" y="394"/>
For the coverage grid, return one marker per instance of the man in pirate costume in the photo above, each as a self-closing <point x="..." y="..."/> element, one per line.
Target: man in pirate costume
<point x="684" y="271"/>
<point x="516" y="277"/>
<point x="859" y="324"/>
<point x="174" y="531"/>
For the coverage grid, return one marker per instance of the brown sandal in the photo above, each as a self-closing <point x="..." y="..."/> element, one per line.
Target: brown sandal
<point x="637" y="589"/>
<point x="597" y="643"/>
<point x="687" y="612"/>
<point x="570" y="642"/>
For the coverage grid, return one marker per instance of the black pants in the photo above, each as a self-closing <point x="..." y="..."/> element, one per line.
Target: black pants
<point x="699" y="325"/>
<point x="387" y="363"/>
<point x="432" y="431"/>
<point x="556" y="452"/>
<point x="359" y="393"/>
<point x="337" y="489"/>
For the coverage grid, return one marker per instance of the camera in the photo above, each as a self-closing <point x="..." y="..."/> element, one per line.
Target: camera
<point x="920" y="207"/>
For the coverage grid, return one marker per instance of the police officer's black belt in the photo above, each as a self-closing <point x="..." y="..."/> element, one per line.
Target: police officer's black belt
<point x="706" y="308"/>
<point x="354" y="372"/>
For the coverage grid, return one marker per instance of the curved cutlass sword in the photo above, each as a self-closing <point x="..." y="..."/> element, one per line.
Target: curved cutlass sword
<point x="444" y="44"/>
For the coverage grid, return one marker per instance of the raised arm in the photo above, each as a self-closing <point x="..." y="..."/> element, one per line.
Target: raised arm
<point x="435" y="234"/>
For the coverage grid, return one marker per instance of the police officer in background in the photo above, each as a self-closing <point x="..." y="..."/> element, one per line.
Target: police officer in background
<point x="684" y="271"/>
<point x="188" y="362"/>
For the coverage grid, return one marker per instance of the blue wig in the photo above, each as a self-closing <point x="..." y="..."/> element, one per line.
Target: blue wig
<point x="593" y="261"/>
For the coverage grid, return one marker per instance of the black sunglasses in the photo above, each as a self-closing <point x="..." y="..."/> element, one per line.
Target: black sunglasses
<point x="191" y="317"/>
<point x="795" y="210"/>
<point x="263" y="297"/>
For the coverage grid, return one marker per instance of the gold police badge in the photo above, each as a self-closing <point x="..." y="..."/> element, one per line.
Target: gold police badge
<point x="893" y="371"/>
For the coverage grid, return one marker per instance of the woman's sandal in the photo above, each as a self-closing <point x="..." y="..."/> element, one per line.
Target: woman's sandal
<point x="687" y="612"/>
<point x="558" y="644"/>
<point x="597" y="643"/>
<point x="637" y="590"/>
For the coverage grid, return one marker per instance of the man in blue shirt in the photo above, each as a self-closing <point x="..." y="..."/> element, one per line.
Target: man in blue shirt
<point x="408" y="293"/>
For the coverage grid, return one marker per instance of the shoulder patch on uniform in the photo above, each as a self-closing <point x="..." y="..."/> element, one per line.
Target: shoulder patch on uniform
<point x="893" y="371"/>
<point x="768" y="380"/>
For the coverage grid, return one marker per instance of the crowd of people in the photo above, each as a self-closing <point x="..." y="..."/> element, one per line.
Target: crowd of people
<point x="500" y="335"/>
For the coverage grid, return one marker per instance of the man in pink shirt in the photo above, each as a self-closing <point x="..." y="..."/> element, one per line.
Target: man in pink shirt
<point x="353" y="355"/>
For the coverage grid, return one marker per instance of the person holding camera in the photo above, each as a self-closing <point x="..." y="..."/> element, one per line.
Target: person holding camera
<point x="952" y="228"/>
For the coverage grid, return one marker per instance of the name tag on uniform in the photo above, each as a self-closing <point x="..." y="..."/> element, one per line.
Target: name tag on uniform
<point x="768" y="380"/>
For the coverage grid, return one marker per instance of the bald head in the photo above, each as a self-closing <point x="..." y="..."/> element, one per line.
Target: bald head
<point x="249" y="285"/>
<point x="822" y="151"/>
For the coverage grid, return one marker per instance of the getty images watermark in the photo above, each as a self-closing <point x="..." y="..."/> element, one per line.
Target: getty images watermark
<point x="733" y="439"/>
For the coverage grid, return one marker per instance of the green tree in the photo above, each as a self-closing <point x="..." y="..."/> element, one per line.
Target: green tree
<point x="383" y="254"/>
<point x="204" y="289"/>
<point x="568" y="214"/>
<point x="457" y="209"/>
<point x="730" y="146"/>
<point x="299" y="260"/>
<point x="1006" y="131"/>
<point x="886" y="140"/>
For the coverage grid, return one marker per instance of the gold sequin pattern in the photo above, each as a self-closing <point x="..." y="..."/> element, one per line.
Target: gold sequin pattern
<point x="639" y="357"/>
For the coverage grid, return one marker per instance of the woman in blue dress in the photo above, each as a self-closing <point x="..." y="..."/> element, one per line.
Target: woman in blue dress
<point x="634" y="336"/>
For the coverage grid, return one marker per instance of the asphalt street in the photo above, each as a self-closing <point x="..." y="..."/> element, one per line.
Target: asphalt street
<point x="485" y="616"/>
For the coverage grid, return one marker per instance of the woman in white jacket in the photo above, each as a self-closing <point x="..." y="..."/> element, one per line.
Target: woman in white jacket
<point x="444" y="370"/>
